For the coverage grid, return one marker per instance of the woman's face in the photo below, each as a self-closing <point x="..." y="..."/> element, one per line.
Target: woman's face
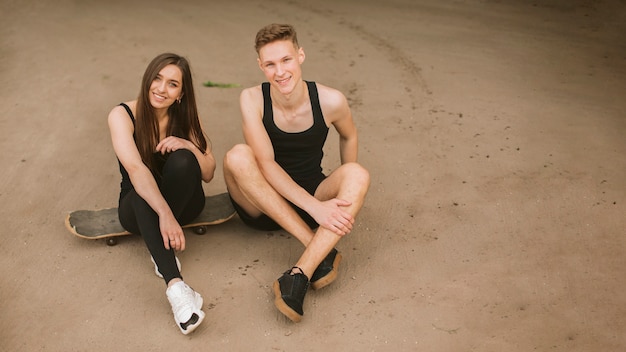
<point x="166" y="87"/>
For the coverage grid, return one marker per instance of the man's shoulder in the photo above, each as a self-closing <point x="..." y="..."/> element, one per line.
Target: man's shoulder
<point x="251" y="93"/>
<point x="330" y="97"/>
<point x="324" y="88"/>
<point x="252" y="90"/>
<point x="251" y="102"/>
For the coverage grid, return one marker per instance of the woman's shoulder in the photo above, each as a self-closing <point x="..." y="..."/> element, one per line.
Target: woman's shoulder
<point x="122" y="109"/>
<point x="131" y="104"/>
<point x="123" y="112"/>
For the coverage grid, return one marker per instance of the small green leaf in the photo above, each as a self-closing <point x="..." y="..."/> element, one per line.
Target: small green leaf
<point x="220" y="85"/>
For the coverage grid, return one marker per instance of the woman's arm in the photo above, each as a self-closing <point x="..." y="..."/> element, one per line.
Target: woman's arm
<point x="206" y="160"/>
<point x="121" y="128"/>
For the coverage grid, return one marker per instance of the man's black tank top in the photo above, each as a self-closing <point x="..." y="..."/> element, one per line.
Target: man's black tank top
<point x="299" y="153"/>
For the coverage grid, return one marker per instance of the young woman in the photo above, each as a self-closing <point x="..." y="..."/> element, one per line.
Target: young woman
<point x="163" y="157"/>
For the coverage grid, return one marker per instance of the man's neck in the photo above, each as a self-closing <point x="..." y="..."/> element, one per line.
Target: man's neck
<point x="293" y="100"/>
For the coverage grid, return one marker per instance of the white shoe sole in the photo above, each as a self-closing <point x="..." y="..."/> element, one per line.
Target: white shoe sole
<point x="192" y="327"/>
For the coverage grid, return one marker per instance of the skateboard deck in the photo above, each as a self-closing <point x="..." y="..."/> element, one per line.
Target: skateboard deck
<point x="104" y="223"/>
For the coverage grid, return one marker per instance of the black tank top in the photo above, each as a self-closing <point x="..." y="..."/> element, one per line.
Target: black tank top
<point x="159" y="160"/>
<point x="298" y="153"/>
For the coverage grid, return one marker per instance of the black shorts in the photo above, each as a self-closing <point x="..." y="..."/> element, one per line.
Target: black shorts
<point x="265" y="223"/>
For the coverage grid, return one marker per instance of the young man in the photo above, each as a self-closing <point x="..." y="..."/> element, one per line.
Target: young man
<point x="275" y="180"/>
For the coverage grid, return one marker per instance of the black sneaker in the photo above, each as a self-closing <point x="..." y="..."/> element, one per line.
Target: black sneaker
<point x="289" y="290"/>
<point x="326" y="272"/>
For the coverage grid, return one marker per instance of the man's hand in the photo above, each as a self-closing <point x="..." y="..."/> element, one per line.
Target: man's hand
<point x="329" y="214"/>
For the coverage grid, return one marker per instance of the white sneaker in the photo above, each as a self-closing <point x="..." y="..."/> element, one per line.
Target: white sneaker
<point x="156" y="268"/>
<point x="186" y="306"/>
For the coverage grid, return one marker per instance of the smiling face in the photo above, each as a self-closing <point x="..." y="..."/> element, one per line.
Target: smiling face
<point x="280" y="62"/>
<point x="166" y="87"/>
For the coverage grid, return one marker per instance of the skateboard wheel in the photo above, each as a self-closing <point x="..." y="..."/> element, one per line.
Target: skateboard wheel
<point x="111" y="241"/>
<point x="200" y="230"/>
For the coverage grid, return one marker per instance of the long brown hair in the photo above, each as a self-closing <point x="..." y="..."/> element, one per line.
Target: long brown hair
<point x="183" y="117"/>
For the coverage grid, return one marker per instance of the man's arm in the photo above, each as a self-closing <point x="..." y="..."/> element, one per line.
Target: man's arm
<point x="251" y="104"/>
<point x="337" y="112"/>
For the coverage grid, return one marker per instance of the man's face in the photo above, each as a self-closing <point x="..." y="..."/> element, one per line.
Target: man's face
<point x="280" y="62"/>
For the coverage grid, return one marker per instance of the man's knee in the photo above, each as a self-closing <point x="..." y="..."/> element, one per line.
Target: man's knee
<point x="357" y="174"/>
<point x="238" y="156"/>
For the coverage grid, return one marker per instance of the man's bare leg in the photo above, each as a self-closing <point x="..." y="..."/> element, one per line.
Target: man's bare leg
<point x="349" y="182"/>
<point x="255" y="195"/>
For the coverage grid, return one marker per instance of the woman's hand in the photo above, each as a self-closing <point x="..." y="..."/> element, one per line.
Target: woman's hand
<point x="172" y="144"/>
<point x="173" y="235"/>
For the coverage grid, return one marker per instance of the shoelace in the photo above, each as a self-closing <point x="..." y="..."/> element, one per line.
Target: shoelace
<point x="291" y="272"/>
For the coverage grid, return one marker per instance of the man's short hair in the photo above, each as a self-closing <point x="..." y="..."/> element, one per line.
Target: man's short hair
<point x="274" y="32"/>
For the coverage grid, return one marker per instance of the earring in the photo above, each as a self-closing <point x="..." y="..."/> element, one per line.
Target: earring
<point x="178" y="100"/>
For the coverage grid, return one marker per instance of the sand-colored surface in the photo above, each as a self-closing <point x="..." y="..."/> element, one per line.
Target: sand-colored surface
<point x="494" y="132"/>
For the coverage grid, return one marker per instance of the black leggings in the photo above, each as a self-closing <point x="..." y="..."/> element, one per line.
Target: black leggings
<point x="181" y="186"/>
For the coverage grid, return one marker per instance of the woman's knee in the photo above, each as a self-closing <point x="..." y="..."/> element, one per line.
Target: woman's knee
<point x="181" y="162"/>
<point x="183" y="156"/>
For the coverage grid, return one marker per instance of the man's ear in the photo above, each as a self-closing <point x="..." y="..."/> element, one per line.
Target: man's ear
<point x="258" y="61"/>
<point x="301" y="55"/>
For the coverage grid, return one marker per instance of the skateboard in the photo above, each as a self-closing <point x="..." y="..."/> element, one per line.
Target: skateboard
<point x="105" y="224"/>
